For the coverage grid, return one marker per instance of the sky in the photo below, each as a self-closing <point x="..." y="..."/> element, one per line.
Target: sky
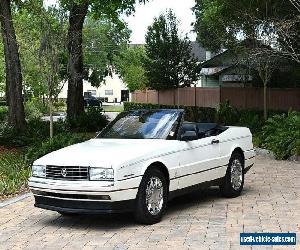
<point x="144" y="15"/>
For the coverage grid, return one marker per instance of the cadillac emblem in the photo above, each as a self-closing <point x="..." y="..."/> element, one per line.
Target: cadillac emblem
<point x="64" y="172"/>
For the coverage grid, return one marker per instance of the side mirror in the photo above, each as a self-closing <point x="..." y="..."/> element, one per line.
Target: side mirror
<point x="189" y="136"/>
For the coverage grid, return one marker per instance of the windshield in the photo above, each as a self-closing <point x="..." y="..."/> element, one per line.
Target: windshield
<point x="142" y="124"/>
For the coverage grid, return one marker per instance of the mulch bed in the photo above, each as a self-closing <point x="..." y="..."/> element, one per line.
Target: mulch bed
<point x="22" y="191"/>
<point x="7" y="150"/>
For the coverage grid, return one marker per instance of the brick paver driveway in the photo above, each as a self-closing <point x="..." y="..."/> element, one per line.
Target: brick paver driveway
<point x="202" y="220"/>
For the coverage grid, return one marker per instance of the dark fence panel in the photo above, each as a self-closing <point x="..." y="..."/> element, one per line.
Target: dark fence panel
<point x="207" y="97"/>
<point x="242" y="98"/>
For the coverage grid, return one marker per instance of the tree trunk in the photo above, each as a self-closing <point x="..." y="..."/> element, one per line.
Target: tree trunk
<point x="16" y="114"/>
<point x="75" y="105"/>
<point x="265" y="102"/>
<point x="51" y="116"/>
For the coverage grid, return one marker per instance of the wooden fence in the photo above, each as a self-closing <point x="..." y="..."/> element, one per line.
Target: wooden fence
<point x="242" y="98"/>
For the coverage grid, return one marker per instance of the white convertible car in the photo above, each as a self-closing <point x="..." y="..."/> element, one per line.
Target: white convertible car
<point x="139" y="161"/>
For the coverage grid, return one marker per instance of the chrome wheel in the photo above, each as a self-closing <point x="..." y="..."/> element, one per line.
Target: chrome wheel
<point x="236" y="174"/>
<point x="154" y="195"/>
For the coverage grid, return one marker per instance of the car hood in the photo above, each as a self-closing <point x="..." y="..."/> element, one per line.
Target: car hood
<point x="104" y="152"/>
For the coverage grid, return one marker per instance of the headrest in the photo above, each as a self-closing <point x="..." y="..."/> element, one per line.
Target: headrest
<point x="189" y="126"/>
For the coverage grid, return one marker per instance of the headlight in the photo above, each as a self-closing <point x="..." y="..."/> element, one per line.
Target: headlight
<point x="101" y="174"/>
<point x="38" y="171"/>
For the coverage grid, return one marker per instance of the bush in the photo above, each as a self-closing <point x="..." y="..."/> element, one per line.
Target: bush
<point x="227" y="114"/>
<point x="35" y="109"/>
<point x="92" y="120"/>
<point x="10" y="137"/>
<point x="281" y="134"/>
<point x="197" y="114"/>
<point x="39" y="129"/>
<point x="36" y="130"/>
<point x="14" y="173"/>
<point x="3" y="113"/>
<point x="252" y="119"/>
<point x="60" y="105"/>
<point x="57" y="142"/>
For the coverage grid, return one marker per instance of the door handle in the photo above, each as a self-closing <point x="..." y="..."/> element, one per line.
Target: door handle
<point x="215" y="141"/>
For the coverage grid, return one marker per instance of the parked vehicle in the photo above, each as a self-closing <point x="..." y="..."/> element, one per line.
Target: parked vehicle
<point x="141" y="160"/>
<point x="92" y="101"/>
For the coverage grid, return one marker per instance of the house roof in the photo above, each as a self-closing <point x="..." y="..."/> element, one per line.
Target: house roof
<point x="213" y="70"/>
<point x="214" y="58"/>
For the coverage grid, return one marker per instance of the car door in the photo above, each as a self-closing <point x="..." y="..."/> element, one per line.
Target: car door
<point x="199" y="161"/>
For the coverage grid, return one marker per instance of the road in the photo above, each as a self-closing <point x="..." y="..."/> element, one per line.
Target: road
<point x="202" y="220"/>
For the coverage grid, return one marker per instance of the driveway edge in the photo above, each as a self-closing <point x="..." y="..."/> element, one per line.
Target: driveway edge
<point x="14" y="199"/>
<point x="270" y="155"/>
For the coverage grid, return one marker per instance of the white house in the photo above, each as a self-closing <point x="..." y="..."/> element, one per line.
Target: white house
<point x="113" y="89"/>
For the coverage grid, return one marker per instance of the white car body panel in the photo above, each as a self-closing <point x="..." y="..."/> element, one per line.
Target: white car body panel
<point x="188" y="163"/>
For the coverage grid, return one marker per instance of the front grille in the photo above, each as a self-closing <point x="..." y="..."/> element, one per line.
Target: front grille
<point x="74" y="173"/>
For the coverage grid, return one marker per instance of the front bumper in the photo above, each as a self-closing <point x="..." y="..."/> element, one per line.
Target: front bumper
<point x="83" y="206"/>
<point x="93" y="197"/>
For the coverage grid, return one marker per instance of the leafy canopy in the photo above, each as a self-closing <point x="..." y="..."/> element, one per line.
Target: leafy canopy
<point x="102" y="41"/>
<point x="130" y="66"/>
<point x="223" y="23"/>
<point x="169" y="62"/>
<point x="32" y="26"/>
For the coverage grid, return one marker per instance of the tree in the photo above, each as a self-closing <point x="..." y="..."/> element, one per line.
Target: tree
<point x="102" y="42"/>
<point x="2" y="71"/>
<point x="78" y="10"/>
<point x="264" y="61"/>
<point x="129" y="63"/>
<point x="51" y="50"/>
<point x="30" y="28"/>
<point x="223" y="23"/>
<point x="169" y="62"/>
<point x="14" y="97"/>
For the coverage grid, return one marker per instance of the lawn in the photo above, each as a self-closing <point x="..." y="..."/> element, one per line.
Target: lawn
<point x="113" y="108"/>
<point x="14" y="173"/>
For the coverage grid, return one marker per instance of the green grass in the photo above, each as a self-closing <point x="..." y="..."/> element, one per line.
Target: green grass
<point x="14" y="173"/>
<point x="112" y="108"/>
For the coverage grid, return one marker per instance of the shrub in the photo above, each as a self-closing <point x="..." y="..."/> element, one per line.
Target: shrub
<point x="2" y="103"/>
<point x="92" y="120"/>
<point x="281" y="134"/>
<point x="10" y="137"/>
<point x="57" y="142"/>
<point x="35" y="109"/>
<point x="252" y="119"/>
<point x="39" y="129"/>
<point x="14" y="173"/>
<point x="36" y="130"/>
<point x="197" y="114"/>
<point x="227" y="114"/>
<point x="3" y="113"/>
<point x="60" y="105"/>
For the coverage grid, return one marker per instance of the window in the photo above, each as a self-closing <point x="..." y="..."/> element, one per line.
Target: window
<point x="109" y="92"/>
<point x="142" y="124"/>
<point x="93" y="92"/>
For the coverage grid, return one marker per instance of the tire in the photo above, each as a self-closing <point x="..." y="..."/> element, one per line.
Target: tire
<point x="144" y="212"/>
<point x="231" y="186"/>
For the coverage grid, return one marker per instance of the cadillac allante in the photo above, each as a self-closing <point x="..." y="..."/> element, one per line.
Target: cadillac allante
<point x="140" y="161"/>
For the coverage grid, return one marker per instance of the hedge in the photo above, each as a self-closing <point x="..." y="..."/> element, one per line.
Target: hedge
<point x="197" y="114"/>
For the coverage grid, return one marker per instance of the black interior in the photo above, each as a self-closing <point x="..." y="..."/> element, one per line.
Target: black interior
<point x="203" y="129"/>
